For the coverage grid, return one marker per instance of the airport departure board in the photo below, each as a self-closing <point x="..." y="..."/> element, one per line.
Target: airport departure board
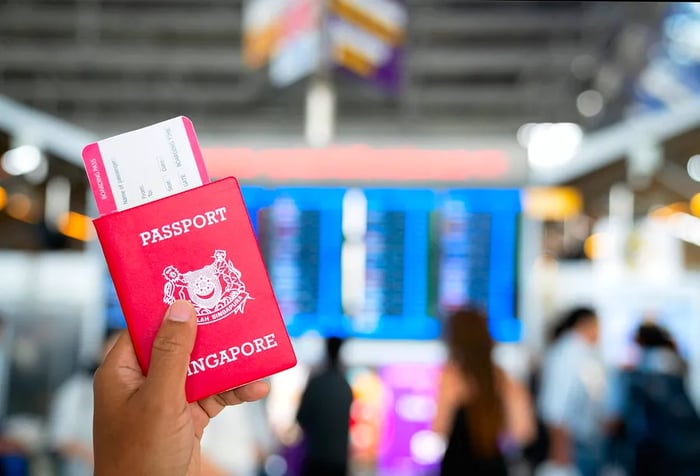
<point x="299" y="232"/>
<point x="476" y="244"/>
<point x="396" y="266"/>
<point x="385" y="248"/>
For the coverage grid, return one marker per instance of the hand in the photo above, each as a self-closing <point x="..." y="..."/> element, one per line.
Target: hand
<point x="559" y="446"/>
<point x="144" y="425"/>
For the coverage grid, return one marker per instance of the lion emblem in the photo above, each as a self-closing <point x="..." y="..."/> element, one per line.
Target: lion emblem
<point x="215" y="290"/>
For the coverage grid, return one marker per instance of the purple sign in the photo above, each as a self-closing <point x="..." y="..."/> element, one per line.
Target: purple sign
<point x="388" y="75"/>
<point x="407" y="446"/>
<point x="361" y="48"/>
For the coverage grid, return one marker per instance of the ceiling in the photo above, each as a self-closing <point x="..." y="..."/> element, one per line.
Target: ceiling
<point x="469" y="66"/>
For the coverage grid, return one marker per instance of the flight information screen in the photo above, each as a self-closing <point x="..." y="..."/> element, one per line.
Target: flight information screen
<point x="465" y="253"/>
<point x="396" y="254"/>
<point x="291" y="249"/>
<point x="475" y="253"/>
<point x="385" y="247"/>
<point x="300" y="237"/>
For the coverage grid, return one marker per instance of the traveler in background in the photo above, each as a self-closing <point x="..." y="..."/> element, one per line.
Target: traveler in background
<point x="70" y="419"/>
<point x="572" y="395"/>
<point x="14" y="454"/>
<point x="5" y="351"/>
<point x="324" y="417"/>
<point x="651" y="414"/>
<point x="481" y="411"/>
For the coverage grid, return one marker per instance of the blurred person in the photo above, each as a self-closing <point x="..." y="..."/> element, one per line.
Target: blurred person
<point x="324" y="417"/>
<point x="651" y="414"/>
<point x="5" y="342"/>
<point x="238" y="441"/>
<point x="572" y="394"/>
<point x="143" y="425"/>
<point x="480" y="410"/>
<point x="536" y="451"/>
<point x="70" y="418"/>
<point x="14" y="453"/>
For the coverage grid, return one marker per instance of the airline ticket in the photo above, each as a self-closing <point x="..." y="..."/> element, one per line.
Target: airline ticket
<point x="143" y="165"/>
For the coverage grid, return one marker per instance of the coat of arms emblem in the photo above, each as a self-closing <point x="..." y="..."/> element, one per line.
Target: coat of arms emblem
<point x="215" y="290"/>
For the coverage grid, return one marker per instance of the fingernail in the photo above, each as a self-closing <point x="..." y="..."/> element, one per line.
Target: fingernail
<point x="180" y="311"/>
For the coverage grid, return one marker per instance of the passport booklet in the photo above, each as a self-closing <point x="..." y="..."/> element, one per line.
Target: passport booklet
<point x="195" y="243"/>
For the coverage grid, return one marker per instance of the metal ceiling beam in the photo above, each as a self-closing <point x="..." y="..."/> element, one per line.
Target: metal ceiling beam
<point x="164" y="4"/>
<point x="604" y="147"/>
<point x="153" y="22"/>
<point x="227" y="20"/>
<point x="505" y="22"/>
<point x="517" y="96"/>
<point x="138" y="57"/>
<point x="68" y="57"/>
<point x="454" y="60"/>
<point x="133" y="91"/>
<point x="146" y="92"/>
<point x="44" y="131"/>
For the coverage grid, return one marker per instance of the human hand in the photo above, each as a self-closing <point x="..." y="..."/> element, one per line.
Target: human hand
<point x="144" y="425"/>
<point x="559" y="446"/>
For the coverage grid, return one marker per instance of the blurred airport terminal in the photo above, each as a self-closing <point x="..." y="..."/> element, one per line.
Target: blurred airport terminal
<point x="400" y="160"/>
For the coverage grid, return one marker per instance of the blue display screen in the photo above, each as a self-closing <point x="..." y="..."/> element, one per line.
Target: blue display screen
<point x="396" y="267"/>
<point x="476" y="247"/>
<point x="424" y="254"/>
<point x="299" y="231"/>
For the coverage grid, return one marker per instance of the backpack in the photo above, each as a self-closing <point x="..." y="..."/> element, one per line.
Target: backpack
<point x="661" y="423"/>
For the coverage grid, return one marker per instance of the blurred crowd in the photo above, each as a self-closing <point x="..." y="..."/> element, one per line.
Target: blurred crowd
<point x="636" y="420"/>
<point x="573" y="416"/>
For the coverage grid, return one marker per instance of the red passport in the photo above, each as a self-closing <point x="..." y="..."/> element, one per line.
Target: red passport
<point x="198" y="245"/>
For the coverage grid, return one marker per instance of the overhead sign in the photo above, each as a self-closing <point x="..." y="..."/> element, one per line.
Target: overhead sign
<point x="366" y="38"/>
<point x="262" y="27"/>
<point x="284" y="34"/>
<point x="297" y="52"/>
<point x="363" y="164"/>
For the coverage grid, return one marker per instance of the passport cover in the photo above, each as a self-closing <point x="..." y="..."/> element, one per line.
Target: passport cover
<point x="198" y="245"/>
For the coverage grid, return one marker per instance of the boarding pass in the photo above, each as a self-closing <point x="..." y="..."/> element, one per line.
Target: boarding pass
<point x="144" y="165"/>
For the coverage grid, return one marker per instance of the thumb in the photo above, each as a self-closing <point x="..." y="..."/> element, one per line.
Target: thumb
<point x="171" y="351"/>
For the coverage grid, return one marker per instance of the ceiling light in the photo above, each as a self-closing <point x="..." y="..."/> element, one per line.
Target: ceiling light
<point x="76" y="225"/>
<point x="19" y="206"/>
<point x="593" y="246"/>
<point x="523" y="134"/>
<point x="553" y="144"/>
<point x="589" y="103"/>
<point x="694" y="167"/>
<point x="21" y="160"/>
<point x="39" y="174"/>
<point x="583" y="66"/>
<point x="695" y="205"/>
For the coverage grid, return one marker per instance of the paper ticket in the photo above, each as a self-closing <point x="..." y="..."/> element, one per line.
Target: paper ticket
<point x="144" y="165"/>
